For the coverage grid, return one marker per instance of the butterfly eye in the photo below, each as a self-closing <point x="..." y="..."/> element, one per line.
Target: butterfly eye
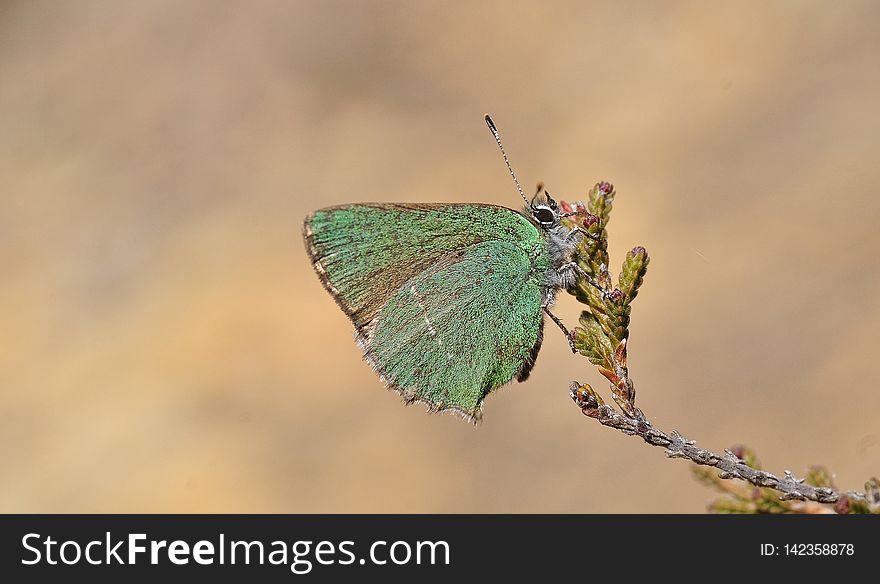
<point x="544" y="215"/>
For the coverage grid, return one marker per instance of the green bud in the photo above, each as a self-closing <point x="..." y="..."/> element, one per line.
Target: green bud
<point x="634" y="267"/>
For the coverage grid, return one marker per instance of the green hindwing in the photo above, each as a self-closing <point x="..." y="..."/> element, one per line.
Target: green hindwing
<point x="446" y="299"/>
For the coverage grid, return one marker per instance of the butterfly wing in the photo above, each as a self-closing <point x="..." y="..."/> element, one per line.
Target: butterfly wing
<point x="446" y="299"/>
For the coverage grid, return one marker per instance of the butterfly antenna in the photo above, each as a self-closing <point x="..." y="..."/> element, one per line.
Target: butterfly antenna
<point x="495" y="133"/>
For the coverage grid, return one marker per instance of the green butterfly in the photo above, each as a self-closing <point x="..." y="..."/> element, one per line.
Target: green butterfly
<point x="447" y="299"/>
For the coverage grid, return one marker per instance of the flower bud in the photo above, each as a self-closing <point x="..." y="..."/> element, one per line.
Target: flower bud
<point x="605" y="187"/>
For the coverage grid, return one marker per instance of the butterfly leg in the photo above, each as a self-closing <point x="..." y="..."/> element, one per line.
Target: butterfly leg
<point x="566" y="269"/>
<point x="578" y="232"/>
<point x="561" y="326"/>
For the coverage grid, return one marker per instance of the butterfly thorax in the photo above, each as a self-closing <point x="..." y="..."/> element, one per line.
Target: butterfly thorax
<point x="559" y="247"/>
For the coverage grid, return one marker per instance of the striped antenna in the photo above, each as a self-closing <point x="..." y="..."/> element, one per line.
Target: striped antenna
<point x="495" y="133"/>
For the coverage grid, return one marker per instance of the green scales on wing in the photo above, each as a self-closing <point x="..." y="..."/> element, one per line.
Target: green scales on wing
<point x="446" y="298"/>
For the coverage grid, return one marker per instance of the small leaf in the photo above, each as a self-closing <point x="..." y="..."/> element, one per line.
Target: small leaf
<point x="604" y="278"/>
<point x="620" y="353"/>
<point x="610" y="376"/>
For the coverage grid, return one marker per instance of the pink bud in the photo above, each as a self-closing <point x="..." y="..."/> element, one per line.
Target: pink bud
<point x="605" y="187"/>
<point x="566" y="208"/>
<point x="590" y="220"/>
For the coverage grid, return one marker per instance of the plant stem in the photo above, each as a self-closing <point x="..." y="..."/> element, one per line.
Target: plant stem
<point x="677" y="446"/>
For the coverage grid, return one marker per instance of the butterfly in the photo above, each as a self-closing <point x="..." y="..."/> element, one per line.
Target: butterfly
<point x="447" y="300"/>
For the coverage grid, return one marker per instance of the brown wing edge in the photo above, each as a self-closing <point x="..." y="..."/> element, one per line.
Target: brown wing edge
<point x="315" y="260"/>
<point x="408" y="396"/>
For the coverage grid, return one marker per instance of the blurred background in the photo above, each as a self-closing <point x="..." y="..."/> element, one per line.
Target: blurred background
<point x="166" y="347"/>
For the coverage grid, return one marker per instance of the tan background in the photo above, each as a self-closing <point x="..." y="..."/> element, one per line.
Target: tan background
<point x="165" y="346"/>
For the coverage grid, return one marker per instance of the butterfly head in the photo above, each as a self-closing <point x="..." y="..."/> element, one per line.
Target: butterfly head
<point x="544" y="210"/>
